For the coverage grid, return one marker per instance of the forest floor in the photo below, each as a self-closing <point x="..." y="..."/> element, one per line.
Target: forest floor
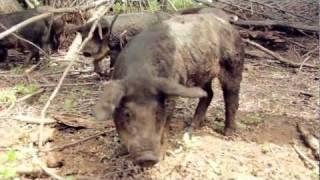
<point x="274" y="98"/>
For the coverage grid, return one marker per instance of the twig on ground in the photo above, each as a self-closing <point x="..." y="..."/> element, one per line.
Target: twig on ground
<point x="279" y="9"/>
<point x="77" y="142"/>
<point x="70" y="84"/>
<point x="309" y="140"/>
<point x="278" y="24"/>
<point x="33" y="120"/>
<point x="304" y="158"/>
<point x="73" y="52"/>
<point x="277" y="56"/>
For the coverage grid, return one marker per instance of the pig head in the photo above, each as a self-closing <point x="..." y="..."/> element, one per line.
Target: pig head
<point x="138" y="109"/>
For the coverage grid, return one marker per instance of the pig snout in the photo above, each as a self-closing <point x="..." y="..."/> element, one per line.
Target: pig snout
<point x="146" y="159"/>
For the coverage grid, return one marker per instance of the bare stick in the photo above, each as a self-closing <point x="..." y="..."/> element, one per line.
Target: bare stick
<point x="279" y="9"/>
<point x="172" y="5"/>
<point x="32" y="120"/>
<point x="27" y="41"/>
<point x="310" y="140"/>
<point x="277" y="56"/>
<point x="23" y="24"/>
<point x="45" y="15"/>
<point x="304" y="158"/>
<point x="69" y="84"/>
<point x="74" y="51"/>
<point x="77" y="142"/>
<point x="30" y="95"/>
<point x="278" y="24"/>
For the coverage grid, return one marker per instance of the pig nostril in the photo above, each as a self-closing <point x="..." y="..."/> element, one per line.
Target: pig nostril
<point x="146" y="159"/>
<point x="86" y="54"/>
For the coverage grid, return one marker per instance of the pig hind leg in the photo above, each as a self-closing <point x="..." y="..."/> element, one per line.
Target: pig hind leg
<point x="230" y="77"/>
<point x="202" y="107"/>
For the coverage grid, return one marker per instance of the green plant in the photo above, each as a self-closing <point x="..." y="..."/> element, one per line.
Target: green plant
<point x="68" y="104"/>
<point x="181" y="4"/>
<point x="7" y="96"/>
<point x="25" y="89"/>
<point x="8" y="163"/>
<point x="153" y="6"/>
<point x="252" y="119"/>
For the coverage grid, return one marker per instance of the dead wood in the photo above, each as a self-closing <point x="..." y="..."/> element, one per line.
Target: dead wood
<point x="279" y="9"/>
<point x="73" y="53"/>
<point x="45" y="15"/>
<point x="59" y="148"/>
<point x="309" y="140"/>
<point x="76" y="121"/>
<point x="277" y="24"/>
<point x="277" y="56"/>
<point x="23" y="24"/>
<point x="304" y="158"/>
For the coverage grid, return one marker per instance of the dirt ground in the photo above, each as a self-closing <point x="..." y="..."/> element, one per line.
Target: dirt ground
<point x="274" y="98"/>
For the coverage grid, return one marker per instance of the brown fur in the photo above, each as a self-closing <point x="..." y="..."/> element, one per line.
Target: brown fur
<point x="173" y="58"/>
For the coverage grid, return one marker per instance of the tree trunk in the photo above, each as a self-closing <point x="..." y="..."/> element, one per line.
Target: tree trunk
<point x="8" y="6"/>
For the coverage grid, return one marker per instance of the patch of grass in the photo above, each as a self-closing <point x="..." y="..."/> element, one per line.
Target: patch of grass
<point x="7" y="96"/>
<point x="17" y="70"/>
<point x="25" y="89"/>
<point x="85" y="92"/>
<point x="8" y="164"/>
<point x="153" y="6"/>
<point x="69" y="104"/>
<point x="252" y="119"/>
<point x="218" y="126"/>
<point x="181" y="4"/>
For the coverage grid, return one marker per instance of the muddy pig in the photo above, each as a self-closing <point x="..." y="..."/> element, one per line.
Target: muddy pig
<point x="178" y="57"/>
<point x="44" y="33"/>
<point x="125" y="27"/>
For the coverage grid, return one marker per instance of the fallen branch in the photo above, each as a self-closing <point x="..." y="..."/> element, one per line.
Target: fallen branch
<point x="33" y="120"/>
<point x="309" y="140"/>
<point x="304" y="158"/>
<point x="49" y="13"/>
<point x="77" y="142"/>
<point x="74" y="51"/>
<point x="69" y="84"/>
<point x="277" y="24"/>
<point x="23" y="24"/>
<point x="279" y="9"/>
<point x="27" y="41"/>
<point x="277" y="56"/>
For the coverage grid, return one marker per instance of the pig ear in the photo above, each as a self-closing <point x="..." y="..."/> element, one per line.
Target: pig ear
<point x="109" y="99"/>
<point x="172" y="88"/>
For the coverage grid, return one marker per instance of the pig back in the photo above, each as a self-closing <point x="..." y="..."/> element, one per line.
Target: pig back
<point x="188" y="48"/>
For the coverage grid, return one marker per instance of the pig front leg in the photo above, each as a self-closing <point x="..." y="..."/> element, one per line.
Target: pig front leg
<point x="202" y="107"/>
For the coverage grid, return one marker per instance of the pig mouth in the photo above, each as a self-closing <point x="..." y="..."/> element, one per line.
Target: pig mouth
<point x="146" y="158"/>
